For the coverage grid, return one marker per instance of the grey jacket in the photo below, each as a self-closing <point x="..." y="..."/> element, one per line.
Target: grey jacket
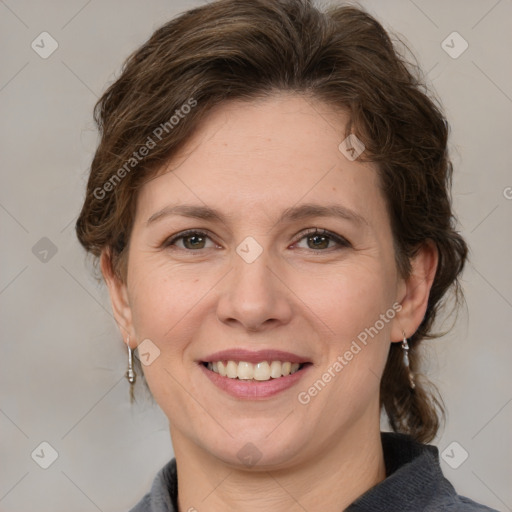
<point x="414" y="483"/>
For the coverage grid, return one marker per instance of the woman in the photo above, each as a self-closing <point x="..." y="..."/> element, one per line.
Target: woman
<point x="269" y="203"/>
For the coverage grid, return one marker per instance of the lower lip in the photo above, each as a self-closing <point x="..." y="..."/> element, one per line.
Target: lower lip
<point x="253" y="389"/>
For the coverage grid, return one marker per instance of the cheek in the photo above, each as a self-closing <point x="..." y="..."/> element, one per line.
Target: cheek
<point x="350" y="297"/>
<point x="351" y="304"/>
<point x="161" y="296"/>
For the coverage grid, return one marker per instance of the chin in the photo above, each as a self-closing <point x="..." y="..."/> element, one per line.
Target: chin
<point x="257" y="451"/>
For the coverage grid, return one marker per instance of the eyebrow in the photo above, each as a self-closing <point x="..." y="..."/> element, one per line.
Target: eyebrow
<point x="291" y="214"/>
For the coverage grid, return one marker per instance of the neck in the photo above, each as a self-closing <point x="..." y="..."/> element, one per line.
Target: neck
<point x="330" y="481"/>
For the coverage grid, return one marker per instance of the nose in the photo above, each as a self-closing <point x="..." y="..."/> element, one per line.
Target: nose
<point x="254" y="296"/>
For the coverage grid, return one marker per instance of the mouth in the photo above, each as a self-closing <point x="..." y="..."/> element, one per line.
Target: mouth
<point x="261" y="371"/>
<point x="254" y="375"/>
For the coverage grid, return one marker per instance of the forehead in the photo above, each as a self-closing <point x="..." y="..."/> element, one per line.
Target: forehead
<point x="265" y="155"/>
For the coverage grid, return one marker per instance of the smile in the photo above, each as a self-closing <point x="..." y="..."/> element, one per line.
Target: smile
<point x="262" y="371"/>
<point x="254" y="375"/>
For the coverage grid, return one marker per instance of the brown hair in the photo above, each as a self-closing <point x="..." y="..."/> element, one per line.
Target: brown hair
<point x="244" y="49"/>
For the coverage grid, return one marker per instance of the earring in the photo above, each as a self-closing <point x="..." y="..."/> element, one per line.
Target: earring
<point x="405" y="349"/>
<point x="130" y="373"/>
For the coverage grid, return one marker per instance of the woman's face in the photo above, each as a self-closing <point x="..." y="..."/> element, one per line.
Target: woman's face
<point x="251" y="282"/>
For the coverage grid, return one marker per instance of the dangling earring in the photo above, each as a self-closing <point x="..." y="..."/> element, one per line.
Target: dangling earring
<point x="405" y="349"/>
<point x="130" y="373"/>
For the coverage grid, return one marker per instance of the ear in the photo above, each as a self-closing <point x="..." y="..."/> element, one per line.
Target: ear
<point x="414" y="292"/>
<point x="118" y="298"/>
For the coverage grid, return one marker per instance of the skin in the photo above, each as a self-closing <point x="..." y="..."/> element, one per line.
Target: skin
<point x="251" y="161"/>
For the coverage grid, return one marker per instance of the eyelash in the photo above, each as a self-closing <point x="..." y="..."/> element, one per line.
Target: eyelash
<point x="342" y="242"/>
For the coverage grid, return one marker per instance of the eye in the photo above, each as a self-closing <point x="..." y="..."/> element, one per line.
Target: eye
<point x="191" y="240"/>
<point x="316" y="239"/>
<point x="321" y="239"/>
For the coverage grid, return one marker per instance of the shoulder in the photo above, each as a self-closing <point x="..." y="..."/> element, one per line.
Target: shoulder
<point x="463" y="504"/>
<point x="414" y="482"/>
<point x="163" y="494"/>
<point x="144" y="505"/>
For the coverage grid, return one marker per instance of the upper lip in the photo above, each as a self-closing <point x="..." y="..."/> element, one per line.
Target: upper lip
<point x="239" y="354"/>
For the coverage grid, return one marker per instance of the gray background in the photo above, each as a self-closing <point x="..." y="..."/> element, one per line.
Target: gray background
<point x="62" y="360"/>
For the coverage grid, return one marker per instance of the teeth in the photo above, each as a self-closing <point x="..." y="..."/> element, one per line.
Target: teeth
<point x="247" y="371"/>
<point x="262" y="371"/>
<point x="275" y="369"/>
<point x="231" y="369"/>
